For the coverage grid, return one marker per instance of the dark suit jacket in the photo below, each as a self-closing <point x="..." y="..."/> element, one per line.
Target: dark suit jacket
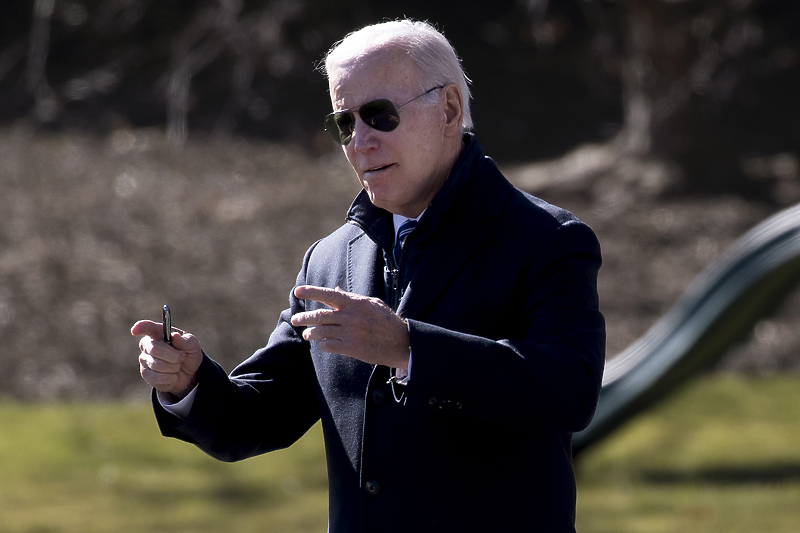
<point x="508" y="350"/>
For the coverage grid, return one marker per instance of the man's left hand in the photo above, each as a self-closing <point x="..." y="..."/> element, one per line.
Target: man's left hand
<point x="356" y="326"/>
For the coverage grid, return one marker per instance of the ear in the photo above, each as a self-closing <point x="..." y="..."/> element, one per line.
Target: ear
<point x="453" y="107"/>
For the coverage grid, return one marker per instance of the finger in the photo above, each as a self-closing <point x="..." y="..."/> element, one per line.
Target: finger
<point x="184" y="341"/>
<point x="147" y="327"/>
<point x="158" y="365"/>
<point x="336" y="298"/>
<point x="146" y="344"/>
<point x="332" y="346"/>
<point x="158" y="380"/>
<point x="313" y="318"/>
<point x="322" y="332"/>
<point x="327" y="338"/>
<point x="159" y="349"/>
<point x="152" y="329"/>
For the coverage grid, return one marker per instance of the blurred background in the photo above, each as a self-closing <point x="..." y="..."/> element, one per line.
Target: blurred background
<point x="172" y="152"/>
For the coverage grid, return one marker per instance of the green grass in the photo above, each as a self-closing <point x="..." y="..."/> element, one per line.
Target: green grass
<point x="723" y="455"/>
<point x="105" y="468"/>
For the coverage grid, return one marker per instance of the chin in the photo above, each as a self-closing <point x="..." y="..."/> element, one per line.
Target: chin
<point x="378" y="198"/>
<point x="377" y="202"/>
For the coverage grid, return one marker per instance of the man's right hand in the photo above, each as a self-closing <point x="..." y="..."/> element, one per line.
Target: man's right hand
<point x="171" y="369"/>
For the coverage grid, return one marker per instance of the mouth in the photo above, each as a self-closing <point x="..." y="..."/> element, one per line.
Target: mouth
<point x="377" y="169"/>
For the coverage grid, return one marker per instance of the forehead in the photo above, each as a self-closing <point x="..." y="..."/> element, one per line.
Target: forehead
<point x="360" y="78"/>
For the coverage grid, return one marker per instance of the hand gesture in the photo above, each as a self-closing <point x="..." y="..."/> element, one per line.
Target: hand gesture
<point x="356" y="326"/>
<point x="168" y="368"/>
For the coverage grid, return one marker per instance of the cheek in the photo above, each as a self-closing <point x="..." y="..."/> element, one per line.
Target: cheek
<point x="350" y="155"/>
<point x="426" y="154"/>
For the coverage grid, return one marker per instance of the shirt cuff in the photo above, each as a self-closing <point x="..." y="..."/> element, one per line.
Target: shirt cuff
<point x="181" y="408"/>
<point x="403" y="376"/>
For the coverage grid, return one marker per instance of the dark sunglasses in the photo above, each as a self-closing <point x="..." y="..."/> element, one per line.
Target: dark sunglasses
<point x="379" y="114"/>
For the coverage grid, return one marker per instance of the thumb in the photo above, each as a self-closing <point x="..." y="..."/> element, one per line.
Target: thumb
<point x="147" y="327"/>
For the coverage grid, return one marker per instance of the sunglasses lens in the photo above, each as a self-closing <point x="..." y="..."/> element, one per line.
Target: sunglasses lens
<point x="380" y="114"/>
<point x="340" y="126"/>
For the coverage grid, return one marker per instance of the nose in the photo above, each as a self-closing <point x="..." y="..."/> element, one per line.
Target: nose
<point x="365" y="138"/>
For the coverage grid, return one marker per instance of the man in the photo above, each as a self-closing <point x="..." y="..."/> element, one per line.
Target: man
<point x="449" y="364"/>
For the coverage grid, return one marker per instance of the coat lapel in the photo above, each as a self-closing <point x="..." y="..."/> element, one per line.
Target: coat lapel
<point x="461" y="233"/>
<point x="443" y="259"/>
<point x="464" y="227"/>
<point x="364" y="265"/>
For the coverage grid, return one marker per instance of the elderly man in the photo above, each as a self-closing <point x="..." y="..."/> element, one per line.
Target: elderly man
<point x="447" y="336"/>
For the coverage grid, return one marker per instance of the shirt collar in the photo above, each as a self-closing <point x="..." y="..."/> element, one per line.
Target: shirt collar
<point x="398" y="221"/>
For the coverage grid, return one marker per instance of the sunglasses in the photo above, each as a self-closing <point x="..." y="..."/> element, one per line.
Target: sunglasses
<point x="379" y="114"/>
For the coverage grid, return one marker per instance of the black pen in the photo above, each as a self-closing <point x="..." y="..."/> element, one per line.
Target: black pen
<point x="166" y="317"/>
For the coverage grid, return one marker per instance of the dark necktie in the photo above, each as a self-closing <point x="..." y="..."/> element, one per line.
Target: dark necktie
<point x="405" y="228"/>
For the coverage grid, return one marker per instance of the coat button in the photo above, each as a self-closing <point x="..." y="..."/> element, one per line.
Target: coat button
<point x="378" y="397"/>
<point x="372" y="487"/>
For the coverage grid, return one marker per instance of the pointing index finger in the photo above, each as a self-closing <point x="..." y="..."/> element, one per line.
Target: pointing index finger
<point x="335" y="298"/>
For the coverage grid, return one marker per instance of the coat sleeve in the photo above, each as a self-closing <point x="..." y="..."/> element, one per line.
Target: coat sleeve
<point x="267" y="403"/>
<point x="550" y="374"/>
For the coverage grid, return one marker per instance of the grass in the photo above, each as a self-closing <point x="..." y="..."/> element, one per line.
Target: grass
<point x="105" y="468"/>
<point x="720" y="456"/>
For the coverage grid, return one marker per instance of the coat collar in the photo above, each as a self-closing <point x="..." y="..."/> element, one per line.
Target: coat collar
<point x="474" y="193"/>
<point x="377" y="222"/>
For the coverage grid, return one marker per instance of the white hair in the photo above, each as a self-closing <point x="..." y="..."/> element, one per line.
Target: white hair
<point x="436" y="60"/>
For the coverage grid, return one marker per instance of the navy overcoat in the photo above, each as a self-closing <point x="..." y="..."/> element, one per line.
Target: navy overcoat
<point x="507" y="347"/>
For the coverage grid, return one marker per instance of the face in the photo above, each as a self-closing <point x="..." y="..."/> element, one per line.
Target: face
<point x="401" y="170"/>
